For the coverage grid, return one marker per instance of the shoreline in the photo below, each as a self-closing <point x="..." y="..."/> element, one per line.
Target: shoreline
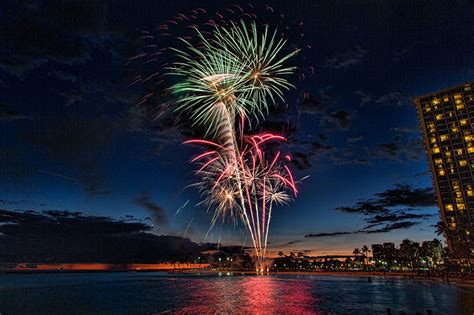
<point x="368" y="275"/>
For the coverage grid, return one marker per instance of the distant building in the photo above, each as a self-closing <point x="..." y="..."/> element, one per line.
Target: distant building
<point x="389" y="249"/>
<point x="389" y="252"/>
<point x="447" y="123"/>
<point x="377" y="255"/>
<point x="377" y="252"/>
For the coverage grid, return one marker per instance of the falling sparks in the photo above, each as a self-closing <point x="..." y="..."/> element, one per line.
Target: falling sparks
<point x="231" y="79"/>
<point x="224" y="83"/>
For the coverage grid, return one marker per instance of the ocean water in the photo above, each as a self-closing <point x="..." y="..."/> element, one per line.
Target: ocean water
<point x="157" y="293"/>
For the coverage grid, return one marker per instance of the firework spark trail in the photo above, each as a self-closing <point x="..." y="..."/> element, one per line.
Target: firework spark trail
<point x="259" y="184"/>
<point x="222" y="84"/>
<point x="239" y="79"/>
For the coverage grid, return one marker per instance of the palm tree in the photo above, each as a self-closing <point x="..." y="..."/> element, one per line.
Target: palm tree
<point x="356" y="252"/>
<point x="441" y="228"/>
<point x="459" y="239"/>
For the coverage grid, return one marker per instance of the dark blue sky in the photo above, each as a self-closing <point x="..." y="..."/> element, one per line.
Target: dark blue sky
<point x="72" y="139"/>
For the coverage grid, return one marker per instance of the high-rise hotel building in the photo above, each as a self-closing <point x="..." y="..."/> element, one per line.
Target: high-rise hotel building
<point x="447" y="123"/>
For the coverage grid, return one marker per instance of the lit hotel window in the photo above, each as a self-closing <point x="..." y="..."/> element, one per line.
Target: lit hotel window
<point x="449" y="207"/>
<point x="441" y="172"/>
<point x="463" y="163"/>
<point x="463" y="122"/>
<point x="469" y="138"/>
<point x="460" y="106"/>
<point x="456" y="185"/>
<point x="461" y="206"/>
<point x="469" y="191"/>
<point x="427" y="109"/>
<point x="458" y="101"/>
<point x="438" y="161"/>
<point x="443" y="137"/>
<point x="470" y="149"/>
<point x="446" y="99"/>
<point x="457" y="96"/>
<point x="459" y="151"/>
<point x="447" y="154"/>
<point x="455" y="129"/>
<point x="436" y="150"/>
<point x="439" y="116"/>
<point x="433" y="140"/>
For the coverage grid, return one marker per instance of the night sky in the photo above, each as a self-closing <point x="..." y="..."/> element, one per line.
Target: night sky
<point x="72" y="137"/>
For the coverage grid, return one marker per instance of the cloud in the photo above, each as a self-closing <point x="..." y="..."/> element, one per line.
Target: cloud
<point x="399" y="150"/>
<point x="351" y="57"/>
<point x="158" y="213"/>
<point x="393" y="226"/>
<point x="405" y="195"/>
<point x="86" y="17"/>
<point x="387" y="228"/>
<point x="9" y="115"/>
<point x="397" y="217"/>
<point x="364" y="207"/>
<point x="293" y="242"/>
<point x="77" y="146"/>
<point x="399" y="195"/>
<point x="354" y="139"/>
<point x="322" y="108"/>
<point x="393" y="98"/>
<point x="341" y="118"/>
<point x="303" y="160"/>
<point x="316" y="104"/>
<point x="348" y="156"/>
<point x="310" y="105"/>
<point x="328" y="234"/>
<point x="300" y="160"/>
<point x="280" y="127"/>
<point x="405" y="147"/>
<point x="406" y="130"/>
<point x="50" y="31"/>
<point x="32" y="41"/>
<point x="279" y="245"/>
<point x="64" y="236"/>
<point x="390" y="207"/>
<point x="163" y="126"/>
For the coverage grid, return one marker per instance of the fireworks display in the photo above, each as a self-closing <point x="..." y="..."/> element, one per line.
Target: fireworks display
<point x="228" y="80"/>
<point x="224" y="77"/>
